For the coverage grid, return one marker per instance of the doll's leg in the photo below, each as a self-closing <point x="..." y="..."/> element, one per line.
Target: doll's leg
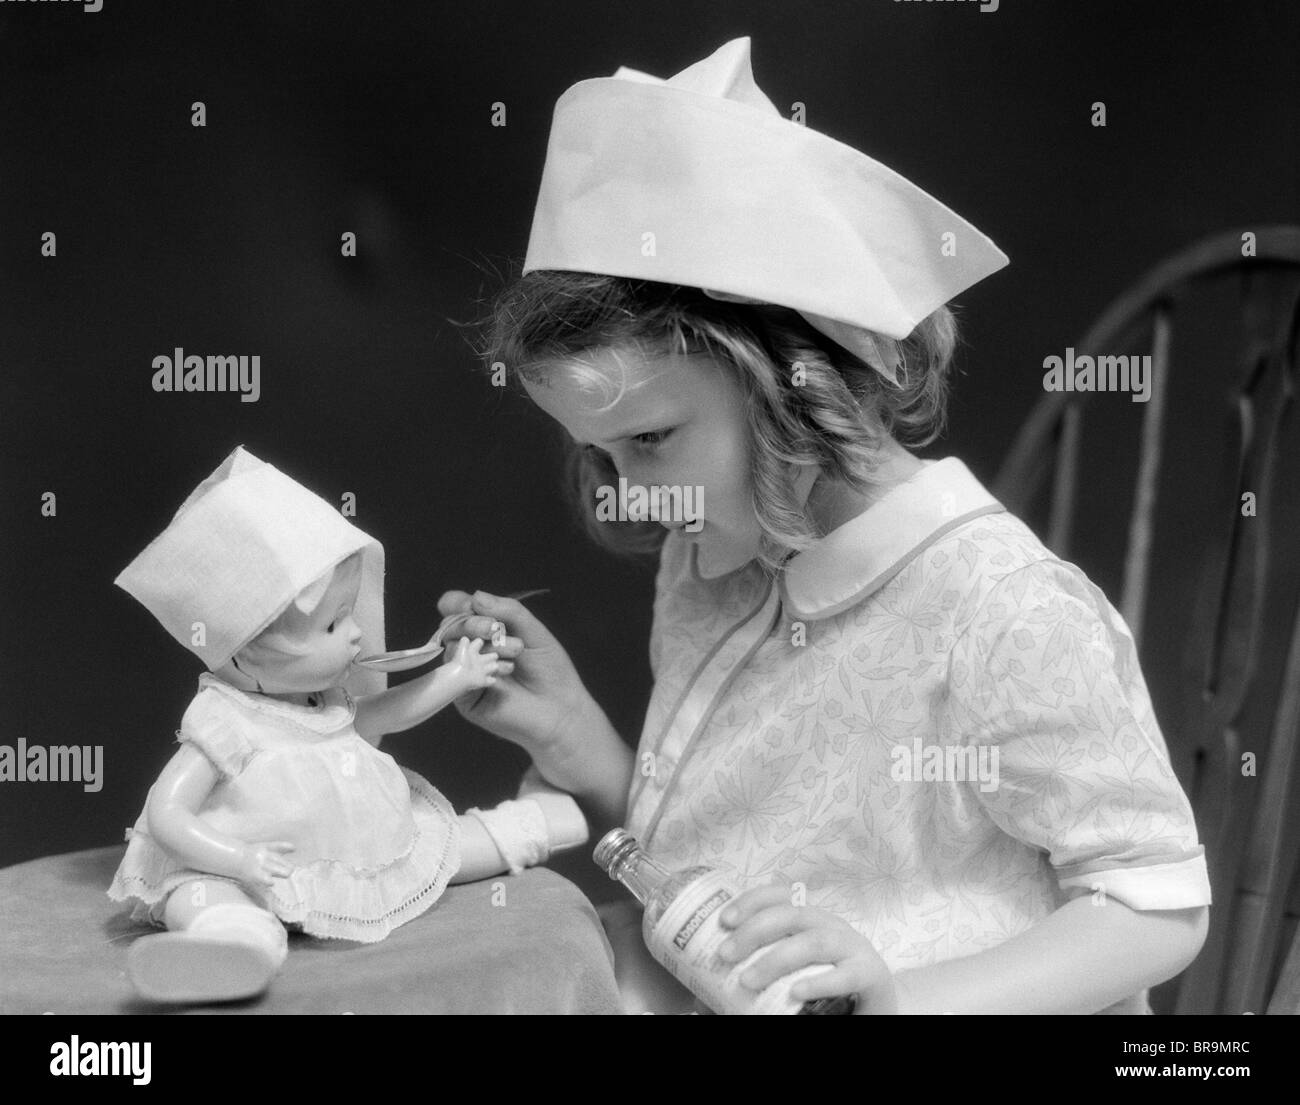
<point x="479" y="856"/>
<point x="518" y="834"/>
<point x="220" y="946"/>
<point x="189" y="900"/>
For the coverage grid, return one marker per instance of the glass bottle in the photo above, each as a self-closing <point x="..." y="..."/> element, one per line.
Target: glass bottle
<point x="681" y="928"/>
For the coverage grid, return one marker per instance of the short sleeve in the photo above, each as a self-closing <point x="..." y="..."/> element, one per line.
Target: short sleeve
<point x="213" y="726"/>
<point x="1047" y="674"/>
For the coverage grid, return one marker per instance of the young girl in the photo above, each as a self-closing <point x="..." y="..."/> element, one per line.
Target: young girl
<point x="278" y="808"/>
<point x="920" y="739"/>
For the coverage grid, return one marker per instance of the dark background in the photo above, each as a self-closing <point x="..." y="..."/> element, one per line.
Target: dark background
<point x="326" y="117"/>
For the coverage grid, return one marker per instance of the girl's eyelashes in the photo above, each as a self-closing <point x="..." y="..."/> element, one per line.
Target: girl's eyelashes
<point x="649" y="440"/>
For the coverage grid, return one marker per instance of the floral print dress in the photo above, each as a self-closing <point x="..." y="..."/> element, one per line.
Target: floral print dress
<point x="927" y="724"/>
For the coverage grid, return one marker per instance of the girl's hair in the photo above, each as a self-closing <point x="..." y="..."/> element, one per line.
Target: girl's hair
<point x="808" y="401"/>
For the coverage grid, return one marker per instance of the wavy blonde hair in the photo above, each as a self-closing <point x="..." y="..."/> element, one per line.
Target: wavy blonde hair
<point x="834" y="413"/>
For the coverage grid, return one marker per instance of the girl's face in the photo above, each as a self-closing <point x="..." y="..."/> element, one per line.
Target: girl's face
<point x="309" y="652"/>
<point x="680" y="423"/>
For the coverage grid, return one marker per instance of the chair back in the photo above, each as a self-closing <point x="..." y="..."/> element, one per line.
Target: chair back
<point x="1187" y="505"/>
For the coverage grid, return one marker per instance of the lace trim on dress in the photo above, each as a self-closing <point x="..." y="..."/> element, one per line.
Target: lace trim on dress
<point x="365" y="906"/>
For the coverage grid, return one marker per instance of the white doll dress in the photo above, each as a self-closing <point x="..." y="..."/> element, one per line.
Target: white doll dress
<point x="374" y="844"/>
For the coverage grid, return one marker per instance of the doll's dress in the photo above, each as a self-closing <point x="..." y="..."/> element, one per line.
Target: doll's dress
<point x="375" y="844"/>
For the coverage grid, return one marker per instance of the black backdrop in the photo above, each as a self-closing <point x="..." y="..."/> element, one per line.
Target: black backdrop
<point x="330" y="116"/>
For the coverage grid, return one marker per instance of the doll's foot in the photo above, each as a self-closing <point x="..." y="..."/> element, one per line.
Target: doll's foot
<point x="566" y="826"/>
<point x="229" y="952"/>
<point x="177" y="967"/>
<point x="528" y="830"/>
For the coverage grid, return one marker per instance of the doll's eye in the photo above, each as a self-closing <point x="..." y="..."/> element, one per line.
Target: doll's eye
<point x="330" y="628"/>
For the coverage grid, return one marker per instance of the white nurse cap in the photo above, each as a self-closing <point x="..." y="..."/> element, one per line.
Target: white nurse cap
<point x="746" y="205"/>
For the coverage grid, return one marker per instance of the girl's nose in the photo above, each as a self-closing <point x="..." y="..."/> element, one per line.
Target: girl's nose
<point x="632" y="470"/>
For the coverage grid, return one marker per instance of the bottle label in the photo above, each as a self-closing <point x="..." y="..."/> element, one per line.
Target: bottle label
<point x="686" y="941"/>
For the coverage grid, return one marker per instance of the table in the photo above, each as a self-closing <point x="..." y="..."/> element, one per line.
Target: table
<point x="525" y="944"/>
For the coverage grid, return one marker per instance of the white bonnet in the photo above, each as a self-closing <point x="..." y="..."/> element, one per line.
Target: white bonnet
<point x="246" y="543"/>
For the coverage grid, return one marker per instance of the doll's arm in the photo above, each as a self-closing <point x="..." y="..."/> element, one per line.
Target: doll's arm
<point x="174" y="800"/>
<point x="402" y="707"/>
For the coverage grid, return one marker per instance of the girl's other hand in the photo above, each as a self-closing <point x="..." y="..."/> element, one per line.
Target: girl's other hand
<point x="262" y="863"/>
<point x="534" y="703"/>
<point x="801" y="936"/>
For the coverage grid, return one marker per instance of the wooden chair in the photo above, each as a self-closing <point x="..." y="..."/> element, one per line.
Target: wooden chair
<point x="1210" y="590"/>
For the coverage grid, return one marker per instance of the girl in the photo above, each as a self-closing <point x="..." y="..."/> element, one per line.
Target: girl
<point x="923" y="742"/>
<point x="278" y="808"/>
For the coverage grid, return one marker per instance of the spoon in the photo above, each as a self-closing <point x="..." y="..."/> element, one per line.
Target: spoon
<point x="407" y="658"/>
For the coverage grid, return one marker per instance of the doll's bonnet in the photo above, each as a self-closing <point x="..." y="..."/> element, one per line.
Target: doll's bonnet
<point x="246" y="543"/>
<point x="699" y="180"/>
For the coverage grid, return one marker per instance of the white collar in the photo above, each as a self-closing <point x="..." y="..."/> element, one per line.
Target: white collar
<point x="854" y="561"/>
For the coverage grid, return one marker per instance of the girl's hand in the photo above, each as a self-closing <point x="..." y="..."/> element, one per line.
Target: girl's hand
<point x="542" y="697"/>
<point x="801" y="936"/>
<point x="472" y="668"/>
<point x="262" y="863"/>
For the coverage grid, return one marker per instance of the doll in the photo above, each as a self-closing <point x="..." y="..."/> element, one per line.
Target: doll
<point x="279" y="809"/>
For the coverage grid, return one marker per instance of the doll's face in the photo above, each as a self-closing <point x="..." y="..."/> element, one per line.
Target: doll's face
<point x="310" y="652"/>
<point x="679" y="423"/>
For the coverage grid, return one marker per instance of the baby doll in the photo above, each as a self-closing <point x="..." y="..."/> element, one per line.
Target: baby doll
<point x="278" y="808"/>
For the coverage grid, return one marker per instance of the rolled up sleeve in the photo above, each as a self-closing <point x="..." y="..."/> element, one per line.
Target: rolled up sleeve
<point x="1047" y="675"/>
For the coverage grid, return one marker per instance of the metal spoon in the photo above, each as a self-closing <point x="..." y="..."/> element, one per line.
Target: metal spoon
<point x="407" y="658"/>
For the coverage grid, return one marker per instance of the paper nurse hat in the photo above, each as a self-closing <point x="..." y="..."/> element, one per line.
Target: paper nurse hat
<point x="745" y="204"/>
<point x="246" y="543"/>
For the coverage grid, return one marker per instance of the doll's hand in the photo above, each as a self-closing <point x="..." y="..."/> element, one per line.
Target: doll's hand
<point x="543" y="700"/>
<point x="801" y="936"/>
<point x="472" y="668"/>
<point x="262" y="863"/>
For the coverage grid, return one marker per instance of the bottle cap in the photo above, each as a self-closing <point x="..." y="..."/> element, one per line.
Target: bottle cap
<point x="615" y="846"/>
